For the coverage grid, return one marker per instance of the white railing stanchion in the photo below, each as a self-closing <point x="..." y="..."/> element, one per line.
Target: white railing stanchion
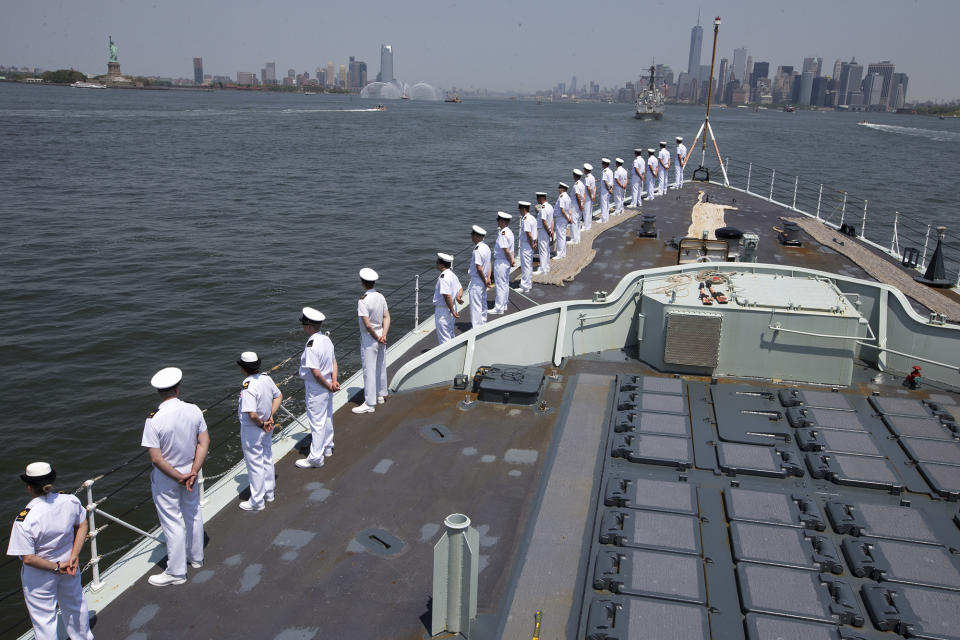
<point x="749" y="171"/>
<point x="726" y="168"/>
<point x="96" y="585"/>
<point x="796" y="183"/>
<point x="773" y="176"/>
<point x="923" y="259"/>
<point x="843" y="208"/>
<point x="863" y="222"/>
<point x="416" y="302"/>
<point x="894" y="240"/>
<point x="201" y="488"/>
<point x="819" y="199"/>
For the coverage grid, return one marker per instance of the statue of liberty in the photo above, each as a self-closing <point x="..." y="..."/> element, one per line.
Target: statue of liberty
<point x="113" y="50"/>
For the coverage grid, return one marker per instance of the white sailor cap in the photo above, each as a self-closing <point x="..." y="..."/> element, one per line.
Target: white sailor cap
<point x="618" y="160"/>
<point x="679" y="139"/>
<point x="587" y="166"/>
<point x="249" y="357"/>
<point x="311" y="316"/>
<point x="662" y="143"/>
<point x="564" y="185"/>
<point x="37" y="471"/>
<point x="638" y="150"/>
<point x="577" y="172"/>
<point x="604" y="160"/>
<point x="503" y="215"/>
<point x="166" y="378"/>
<point x="651" y="151"/>
<point x="480" y="231"/>
<point x="446" y="257"/>
<point x="369" y="274"/>
<point x="541" y="194"/>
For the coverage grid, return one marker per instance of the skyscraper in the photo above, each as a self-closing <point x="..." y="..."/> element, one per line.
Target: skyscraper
<point x="722" y="79"/>
<point x="356" y="74"/>
<point x="806" y="87"/>
<point x="573" y="86"/>
<point x="740" y="64"/>
<point x="898" y="91"/>
<point x="268" y="75"/>
<point x="198" y="71"/>
<point x="760" y="70"/>
<point x="885" y="69"/>
<point x="872" y="90"/>
<point x="696" y="43"/>
<point x="386" y="63"/>
<point x="331" y="79"/>
<point x="342" y="78"/>
<point x="813" y="65"/>
<point x="850" y="76"/>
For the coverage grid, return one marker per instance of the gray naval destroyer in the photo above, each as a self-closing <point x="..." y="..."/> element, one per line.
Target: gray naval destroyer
<point x="714" y="430"/>
<point x="650" y="99"/>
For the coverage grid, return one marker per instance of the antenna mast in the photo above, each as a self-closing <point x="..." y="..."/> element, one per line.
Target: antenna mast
<point x="705" y="128"/>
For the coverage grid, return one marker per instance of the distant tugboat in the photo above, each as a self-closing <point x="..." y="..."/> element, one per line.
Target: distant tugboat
<point x="453" y="98"/>
<point x="788" y="109"/>
<point x="650" y="100"/>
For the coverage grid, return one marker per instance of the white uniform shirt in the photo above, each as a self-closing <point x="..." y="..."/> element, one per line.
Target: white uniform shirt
<point x="447" y="284"/>
<point x="607" y="178"/>
<point x="546" y="219"/>
<point x="681" y="153"/>
<point x="527" y="224"/>
<point x="652" y="166"/>
<point x="591" y="184"/>
<point x="481" y="256"/>
<point x="664" y="156"/>
<point x="173" y="428"/>
<point x="256" y="395"/>
<point x="620" y="175"/>
<point x="317" y="354"/>
<point x="373" y="306"/>
<point x="638" y="167"/>
<point x="504" y="241"/>
<point x="563" y="202"/>
<point x="578" y="189"/>
<point x="45" y="527"/>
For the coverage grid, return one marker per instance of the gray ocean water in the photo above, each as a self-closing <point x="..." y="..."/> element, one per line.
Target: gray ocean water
<point x="143" y="229"/>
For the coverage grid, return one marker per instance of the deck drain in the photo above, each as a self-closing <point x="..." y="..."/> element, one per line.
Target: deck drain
<point x="438" y="433"/>
<point x="380" y="542"/>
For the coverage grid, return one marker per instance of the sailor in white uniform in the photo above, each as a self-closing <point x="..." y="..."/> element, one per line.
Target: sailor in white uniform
<point x="564" y="215"/>
<point x="502" y="262"/>
<point x="319" y="371"/>
<point x="639" y="171"/>
<point x="374" y="319"/>
<point x="544" y="231"/>
<point x="619" y="186"/>
<point x="177" y="439"/>
<point x="480" y="272"/>
<point x="591" y="185"/>
<point x="259" y="400"/>
<point x="528" y="244"/>
<point x="579" y="202"/>
<point x="680" y="164"/>
<point x="606" y="189"/>
<point x="663" y="170"/>
<point x="447" y="294"/>
<point x="48" y="535"/>
<point x="652" y="164"/>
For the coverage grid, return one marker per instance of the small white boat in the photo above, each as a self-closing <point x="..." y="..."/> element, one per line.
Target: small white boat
<point x="87" y="85"/>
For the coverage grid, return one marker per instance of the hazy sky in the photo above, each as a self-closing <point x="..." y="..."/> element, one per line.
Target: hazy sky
<point x="497" y="44"/>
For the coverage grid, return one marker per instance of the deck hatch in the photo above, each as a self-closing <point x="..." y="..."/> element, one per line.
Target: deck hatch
<point x="855" y="471"/>
<point x="893" y="561"/>
<point x="651" y="573"/>
<point x="913" y="611"/>
<point x="771" y="507"/>
<point x="757" y="461"/>
<point x="763" y="627"/>
<point x="837" y="441"/>
<point x="653" y="449"/>
<point x="922" y="450"/>
<point x="626" y="618"/>
<point x="880" y="521"/>
<point x="943" y="479"/>
<point x="693" y="339"/>
<point x="657" y="495"/>
<point x="899" y="407"/>
<point x="929" y="428"/>
<point x="651" y="530"/>
<point x="797" y="594"/>
<point x="662" y="423"/>
<point x="784" y="546"/>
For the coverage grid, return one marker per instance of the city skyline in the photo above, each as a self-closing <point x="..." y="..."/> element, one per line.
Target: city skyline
<point x="479" y="47"/>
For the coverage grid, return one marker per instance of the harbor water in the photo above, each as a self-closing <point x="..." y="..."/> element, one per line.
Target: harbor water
<point x="144" y="229"/>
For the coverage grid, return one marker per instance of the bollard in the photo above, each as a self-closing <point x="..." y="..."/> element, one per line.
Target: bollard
<point x="455" y="570"/>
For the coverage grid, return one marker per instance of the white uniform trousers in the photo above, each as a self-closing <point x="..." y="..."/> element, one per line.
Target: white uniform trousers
<point x="373" y="359"/>
<point x="43" y="591"/>
<point x="587" y="214"/>
<point x="651" y="187"/>
<point x="320" y="414"/>
<point x="617" y="201"/>
<point x="526" y="267"/>
<point x="478" y="303"/>
<point x="180" y="519"/>
<point x="443" y="320"/>
<point x="662" y="180"/>
<point x="604" y="205"/>
<point x="575" y="227"/>
<point x="543" y="248"/>
<point x="560" y="233"/>
<point x="258" y="455"/>
<point x="637" y="188"/>
<point x="677" y="175"/>
<point x="501" y="277"/>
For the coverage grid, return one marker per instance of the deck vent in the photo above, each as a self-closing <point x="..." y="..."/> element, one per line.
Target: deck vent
<point x="456" y="563"/>
<point x="380" y="542"/>
<point x="692" y="339"/>
<point x="510" y="384"/>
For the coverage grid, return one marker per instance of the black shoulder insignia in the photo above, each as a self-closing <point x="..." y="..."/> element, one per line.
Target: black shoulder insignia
<point x="504" y="232"/>
<point x="246" y="384"/>
<point x="152" y="413"/>
<point x="23" y="515"/>
<point x="364" y="295"/>
<point x="310" y="343"/>
<point x="441" y="275"/>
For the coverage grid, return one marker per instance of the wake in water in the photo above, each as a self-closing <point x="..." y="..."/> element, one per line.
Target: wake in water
<point x="328" y="110"/>
<point x="930" y="134"/>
